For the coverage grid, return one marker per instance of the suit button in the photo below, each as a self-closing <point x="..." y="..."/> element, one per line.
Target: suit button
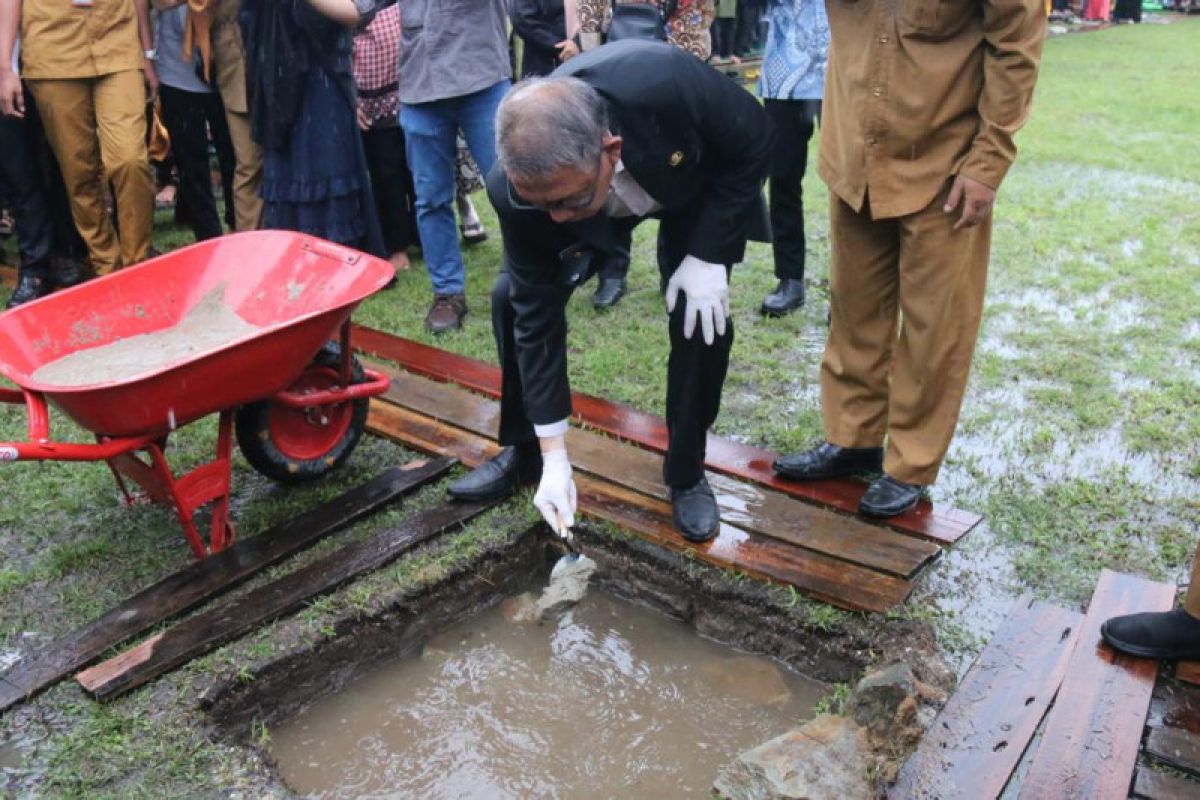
<point x="877" y="91"/>
<point x="871" y="142"/>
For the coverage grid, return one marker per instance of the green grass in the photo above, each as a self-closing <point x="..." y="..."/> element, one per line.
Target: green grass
<point x="1080" y="435"/>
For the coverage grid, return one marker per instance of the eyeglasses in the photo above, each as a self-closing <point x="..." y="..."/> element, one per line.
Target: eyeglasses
<point x="573" y="203"/>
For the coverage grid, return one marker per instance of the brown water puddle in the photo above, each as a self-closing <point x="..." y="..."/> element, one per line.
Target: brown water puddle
<point x="612" y="700"/>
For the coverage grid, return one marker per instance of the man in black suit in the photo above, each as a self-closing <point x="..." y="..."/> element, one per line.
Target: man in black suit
<point x="632" y="130"/>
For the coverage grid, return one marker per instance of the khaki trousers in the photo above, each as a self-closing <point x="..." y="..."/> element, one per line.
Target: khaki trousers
<point x="247" y="205"/>
<point x="95" y="123"/>
<point x="1191" y="600"/>
<point x="906" y="301"/>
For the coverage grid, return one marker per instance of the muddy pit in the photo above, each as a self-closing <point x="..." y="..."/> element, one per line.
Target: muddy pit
<point x="455" y="689"/>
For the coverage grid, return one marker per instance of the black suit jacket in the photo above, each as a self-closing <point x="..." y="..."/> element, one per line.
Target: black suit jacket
<point x="541" y="24"/>
<point x="693" y="139"/>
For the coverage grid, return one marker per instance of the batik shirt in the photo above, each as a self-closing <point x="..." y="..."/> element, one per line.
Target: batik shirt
<point x="797" y="48"/>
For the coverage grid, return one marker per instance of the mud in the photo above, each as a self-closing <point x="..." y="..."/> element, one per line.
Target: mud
<point x="609" y="700"/>
<point x="568" y="585"/>
<point x="209" y="325"/>
<point x="753" y="617"/>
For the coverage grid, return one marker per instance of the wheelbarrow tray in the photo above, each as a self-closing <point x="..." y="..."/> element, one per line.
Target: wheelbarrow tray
<point x="296" y="289"/>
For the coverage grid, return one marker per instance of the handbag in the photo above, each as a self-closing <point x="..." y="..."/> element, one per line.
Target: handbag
<point x="639" y="21"/>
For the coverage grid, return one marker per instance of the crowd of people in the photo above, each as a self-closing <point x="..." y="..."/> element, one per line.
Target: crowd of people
<point x="370" y="123"/>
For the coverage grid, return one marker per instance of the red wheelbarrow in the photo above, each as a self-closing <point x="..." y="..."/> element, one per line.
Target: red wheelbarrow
<point x="296" y="401"/>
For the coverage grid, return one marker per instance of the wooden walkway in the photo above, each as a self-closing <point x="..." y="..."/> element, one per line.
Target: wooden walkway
<point x="1049" y="711"/>
<point x="783" y="536"/>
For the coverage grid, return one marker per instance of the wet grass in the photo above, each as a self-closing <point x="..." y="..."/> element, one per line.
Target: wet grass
<point x="1080" y="436"/>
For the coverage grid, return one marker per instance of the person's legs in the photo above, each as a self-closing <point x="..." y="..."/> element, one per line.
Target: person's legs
<point x="184" y="115"/>
<point x="218" y="128"/>
<point x="794" y="121"/>
<point x="477" y="119"/>
<point x="69" y="117"/>
<point x="1171" y="635"/>
<point x="611" y="282"/>
<point x="247" y="176"/>
<point x="429" y="131"/>
<point x="942" y="277"/>
<point x="121" y="124"/>
<point x="26" y="195"/>
<point x="389" y="182"/>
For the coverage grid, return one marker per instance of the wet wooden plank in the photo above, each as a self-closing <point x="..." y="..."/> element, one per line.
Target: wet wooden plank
<point x="978" y="738"/>
<point x="836" y="582"/>
<point x="1153" y="785"/>
<point x="1094" y="730"/>
<point x="200" y="634"/>
<point x="745" y="505"/>
<point x="1188" y="671"/>
<point x="202" y="580"/>
<point x="1176" y="748"/>
<point x="936" y="523"/>
<point x="1175" y="705"/>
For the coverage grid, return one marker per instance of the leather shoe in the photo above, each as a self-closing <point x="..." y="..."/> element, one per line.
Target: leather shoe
<point x="888" y="497"/>
<point x="446" y="313"/>
<point x="787" y="297"/>
<point x="829" y="461"/>
<point x="608" y="293"/>
<point x="694" y="512"/>
<point x="28" y="288"/>
<point x="499" y="476"/>
<point x="68" y="272"/>
<point x="1170" y="635"/>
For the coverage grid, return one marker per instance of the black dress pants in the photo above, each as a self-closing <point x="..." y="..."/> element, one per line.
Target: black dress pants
<point x="794" y="122"/>
<point x="392" y="185"/>
<point x="695" y="372"/>
<point x="186" y="116"/>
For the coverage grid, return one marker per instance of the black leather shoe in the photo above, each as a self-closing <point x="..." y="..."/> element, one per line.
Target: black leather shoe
<point x="1169" y="635"/>
<point x="787" y="297"/>
<point x="888" y="497"/>
<point x="829" y="461"/>
<point x="497" y="477"/>
<point x="694" y="512"/>
<point x="28" y="288"/>
<point x="68" y="272"/>
<point x="608" y="293"/>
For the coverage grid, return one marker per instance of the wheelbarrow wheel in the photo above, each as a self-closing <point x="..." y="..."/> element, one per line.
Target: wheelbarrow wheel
<point x="294" y="445"/>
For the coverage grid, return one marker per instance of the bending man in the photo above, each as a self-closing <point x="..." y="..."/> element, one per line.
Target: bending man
<point x="629" y="131"/>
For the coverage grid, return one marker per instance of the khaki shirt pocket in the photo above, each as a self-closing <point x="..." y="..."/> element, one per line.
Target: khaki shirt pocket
<point x="935" y="19"/>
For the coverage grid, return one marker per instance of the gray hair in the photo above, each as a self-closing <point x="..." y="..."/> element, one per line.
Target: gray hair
<point x="546" y="124"/>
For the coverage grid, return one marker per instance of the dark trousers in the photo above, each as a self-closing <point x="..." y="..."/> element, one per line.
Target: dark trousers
<point x="30" y="179"/>
<point x="724" y="30"/>
<point x="695" y="375"/>
<point x="794" y="121"/>
<point x="186" y="116"/>
<point x="749" y="17"/>
<point x="392" y="185"/>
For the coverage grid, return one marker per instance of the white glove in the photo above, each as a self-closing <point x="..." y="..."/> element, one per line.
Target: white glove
<point x="555" y="496"/>
<point x="707" y="288"/>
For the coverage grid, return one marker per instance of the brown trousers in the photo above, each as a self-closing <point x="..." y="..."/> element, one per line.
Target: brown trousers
<point x="906" y="302"/>
<point x="1191" y="600"/>
<point x="247" y="175"/>
<point x="97" y="129"/>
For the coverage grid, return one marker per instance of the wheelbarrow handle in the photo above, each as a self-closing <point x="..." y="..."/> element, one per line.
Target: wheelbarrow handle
<point x="35" y="407"/>
<point x="39" y="447"/>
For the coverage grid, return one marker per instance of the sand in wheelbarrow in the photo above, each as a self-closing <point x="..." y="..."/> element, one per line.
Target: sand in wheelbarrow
<point x="208" y="326"/>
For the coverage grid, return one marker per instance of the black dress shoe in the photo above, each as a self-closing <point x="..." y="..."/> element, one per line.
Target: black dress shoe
<point x="829" y="461"/>
<point x="888" y="497"/>
<point x="499" y="476"/>
<point x="787" y="297"/>
<point x="68" y="272"/>
<point x="694" y="512"/>
<point x="28" y="288"/>
<point x="1169" y="635"/>
<point x="608" y="293"/>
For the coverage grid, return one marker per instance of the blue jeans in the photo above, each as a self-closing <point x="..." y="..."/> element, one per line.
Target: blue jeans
<point x="429" y="134"/>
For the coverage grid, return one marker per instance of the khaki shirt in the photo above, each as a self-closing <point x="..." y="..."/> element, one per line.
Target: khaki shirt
<point x="62" y="40"/>
<point x="920" y="90"/>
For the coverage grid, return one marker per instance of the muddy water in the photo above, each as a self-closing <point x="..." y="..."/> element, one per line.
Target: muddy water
<point x="611" y="700"/>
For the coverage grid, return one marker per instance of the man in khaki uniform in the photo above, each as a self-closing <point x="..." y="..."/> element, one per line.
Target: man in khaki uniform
<point x="89" y="65"/>
<point x="922" y="99"/>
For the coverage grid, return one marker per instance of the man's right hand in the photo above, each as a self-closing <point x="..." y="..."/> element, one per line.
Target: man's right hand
<point x="12" y="96"/>
<point x="556" y="496"/>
